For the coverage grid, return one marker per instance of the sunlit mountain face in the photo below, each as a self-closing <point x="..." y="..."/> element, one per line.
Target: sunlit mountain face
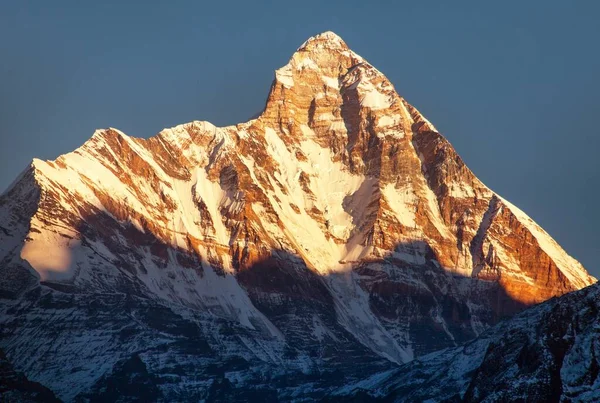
<point x="335" y="237"/>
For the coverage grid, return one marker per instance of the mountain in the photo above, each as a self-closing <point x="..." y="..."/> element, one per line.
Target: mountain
<point x="548" y="353"/>
<point x="335" y="235"/>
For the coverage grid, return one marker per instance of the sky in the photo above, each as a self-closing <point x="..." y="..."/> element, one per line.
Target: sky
<point x="513" y="85"/>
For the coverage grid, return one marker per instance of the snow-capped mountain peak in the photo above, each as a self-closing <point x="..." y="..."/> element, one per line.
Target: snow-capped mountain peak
<point x="338" y="219"/>
<point x="327" y="39"/>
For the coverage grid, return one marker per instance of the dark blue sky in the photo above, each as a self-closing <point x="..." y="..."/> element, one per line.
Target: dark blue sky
<point x="513" y="85"/>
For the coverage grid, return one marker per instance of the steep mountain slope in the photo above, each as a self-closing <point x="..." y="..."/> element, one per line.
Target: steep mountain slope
<point x="547" y="353"/>
<point x="15" y="387"/>
<point x="336" y="233"/>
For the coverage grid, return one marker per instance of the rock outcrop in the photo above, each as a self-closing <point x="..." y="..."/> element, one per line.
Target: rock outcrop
<point x="548" y="353"/>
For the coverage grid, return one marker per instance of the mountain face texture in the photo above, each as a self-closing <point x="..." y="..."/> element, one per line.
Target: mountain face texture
<point x="548" y="353"/>
<point x="338" y="234"/>
<point x="15" y="387"/>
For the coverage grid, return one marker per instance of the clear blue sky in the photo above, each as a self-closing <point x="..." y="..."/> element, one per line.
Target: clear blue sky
<point x="513" y="85"/>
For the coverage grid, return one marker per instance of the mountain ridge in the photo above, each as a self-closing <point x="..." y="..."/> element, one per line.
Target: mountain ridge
<point x="546" y="353"/>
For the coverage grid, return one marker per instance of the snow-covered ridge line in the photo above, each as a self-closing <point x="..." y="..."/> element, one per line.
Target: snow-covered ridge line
<point x="568" y="265"/>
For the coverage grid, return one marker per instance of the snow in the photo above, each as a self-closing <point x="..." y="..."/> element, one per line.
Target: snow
<point x="332" y="187"/>
<point x="88" y="162"/>
<point x="372" y="98"/>
<point x="221" y="296"/>
<point x="330" y="39"/>
<point x="326" y="116"/>
<point x="178" y="138"/>
<point x="320" y="330"/>
<point x="284" y="76"/>
<point x="330" y="183"/>
<point x="476" y="325"/>
<point x="578" y="364"/>
<point x="338" y="125"/>
<point x="330" y="81"/>
<point x="402" y="201"/>
<point x="373" y="89"/>
<point x="330" y="243"/>
<point x="351" y="54"/>
<point x="307" y="131"/>
<point x="388" y="120"/>
<point x="142" y="152"/>
<point x="430" y="126"/>
<point x="354" y="313"/>
<point x="304" y="62"/>
<point x="570" y="267"/>
<point x="437" y="318"/>
<point x="213" y="196"/>
<point x="51" y="255"/>
<point x="434" y="213"/>
<point x="461" y="191"/>
<point x="389" y="126"/>
<point x="56" y="257"/>
<point x="371" y="383"/>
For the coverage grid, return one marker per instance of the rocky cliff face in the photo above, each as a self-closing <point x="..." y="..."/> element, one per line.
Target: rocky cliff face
<point x="15" y="387"/>
<point x="548" y="353"/>
<point x="337" y="228"/>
